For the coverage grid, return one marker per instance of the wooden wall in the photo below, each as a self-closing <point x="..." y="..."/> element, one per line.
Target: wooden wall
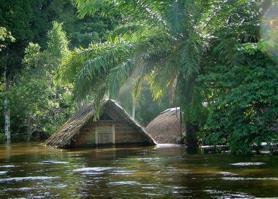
<point x="86" y="136"/>
<point x="124" y="134"/>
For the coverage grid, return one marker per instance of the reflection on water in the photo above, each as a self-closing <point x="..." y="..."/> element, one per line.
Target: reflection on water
<point x="246" y="164"/>
<point x="164" y="171"/>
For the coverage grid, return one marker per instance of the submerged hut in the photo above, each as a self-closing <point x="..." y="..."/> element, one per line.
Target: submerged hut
<point x="166" y="127"/>
<point x="113" y="127"/>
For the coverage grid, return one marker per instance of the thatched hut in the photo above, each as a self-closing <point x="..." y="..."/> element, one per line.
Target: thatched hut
<point x="166" y="127"/>
<point x="113" y="127"/>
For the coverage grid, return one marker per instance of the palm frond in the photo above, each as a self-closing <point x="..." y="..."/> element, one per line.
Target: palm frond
<point x="86" y="7"/>
<point x="145" y="7"/>
<point x="176" y="18"/>
<point x="113" y="56"/>
<point x="129" y="29"/>
<point x="98" y="67"/>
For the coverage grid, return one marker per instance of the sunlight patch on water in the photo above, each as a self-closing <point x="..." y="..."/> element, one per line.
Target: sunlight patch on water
<point x="225" y="194"/>
<point x="8" y="166"/>
<point x="123" y="172"/>
<point x="61" y="186"/>
<point x="3" y="172"/>
<point x="249" y="178"/>
<point x="93" y="169"/>
<point x="120" y="183"/>
<point x="246" y="164"/>
<point x="152" y="194"/>
<point x="101" y="170"/>
<point x="53" y="162"/>
<point x="90" y="173"/>
<point x="177" y="189"/>
<point x="151" y="187"/>
<point x="147" y="159"/>
<point x="21" y="179"/>
<point x="21" y="189"/>
<point x="173" y="170"/>
<point x="167" y="145"/>
<point x="224" y="173"/>
<point x="266" y="198"/>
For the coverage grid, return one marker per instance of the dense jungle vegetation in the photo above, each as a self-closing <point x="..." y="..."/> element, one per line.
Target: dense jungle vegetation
<point x="215" y="59"/>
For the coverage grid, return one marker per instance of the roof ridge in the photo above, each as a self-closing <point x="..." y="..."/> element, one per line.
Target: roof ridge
<point x="170" y="110"/>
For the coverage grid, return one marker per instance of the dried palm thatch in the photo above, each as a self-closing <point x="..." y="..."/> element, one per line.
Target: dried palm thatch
<point x="63" y="137"/>
<point x="166" y="127"/>
<point x="71" y="129"/>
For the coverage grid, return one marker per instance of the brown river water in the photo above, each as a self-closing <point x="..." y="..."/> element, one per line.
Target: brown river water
<point x="164" y="171"/>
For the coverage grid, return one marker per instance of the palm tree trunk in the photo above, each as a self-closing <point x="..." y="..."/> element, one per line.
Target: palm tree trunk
<point x="7" y="119"/>
<point x="191" y="137"/>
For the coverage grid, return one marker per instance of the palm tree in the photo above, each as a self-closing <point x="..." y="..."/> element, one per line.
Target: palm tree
<point x="162" y="42"/>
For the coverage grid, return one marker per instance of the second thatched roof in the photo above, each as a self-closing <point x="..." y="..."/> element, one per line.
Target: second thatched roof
<point x="166" y="127"/>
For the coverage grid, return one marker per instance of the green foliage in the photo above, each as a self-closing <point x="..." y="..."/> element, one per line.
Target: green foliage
<point x="240" y="83"/>
<point x="243" y="101"/>
<point x="29" y="21"/>
<point x="57" y="44"/>
<point x="5" y="37"/>
<point x="91" y="7"/>
<point x="37" y="103"/>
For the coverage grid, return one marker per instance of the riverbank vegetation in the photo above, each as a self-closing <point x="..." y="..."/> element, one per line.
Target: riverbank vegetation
<point x="216" y="60"/>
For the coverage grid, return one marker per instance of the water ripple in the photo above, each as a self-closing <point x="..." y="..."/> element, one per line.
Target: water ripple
<point x="20" y="179"/>
<point x="245" y="164"/>
<point x="94" y="169"/>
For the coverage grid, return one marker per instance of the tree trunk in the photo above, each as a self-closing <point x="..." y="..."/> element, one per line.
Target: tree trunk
<point x="182" y="129"/>
<point x="29" y="129"/>
<point x="7" y="119"/>
<point x="191" y="137"/>
<point x="133" y="108"/>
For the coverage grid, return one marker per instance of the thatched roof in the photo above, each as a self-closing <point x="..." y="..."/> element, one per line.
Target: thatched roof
<point x="64" y="136"/>
<point x="166" y="128"/>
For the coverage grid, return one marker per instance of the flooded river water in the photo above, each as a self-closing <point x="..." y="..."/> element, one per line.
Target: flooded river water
<point x="164" y="171"/>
